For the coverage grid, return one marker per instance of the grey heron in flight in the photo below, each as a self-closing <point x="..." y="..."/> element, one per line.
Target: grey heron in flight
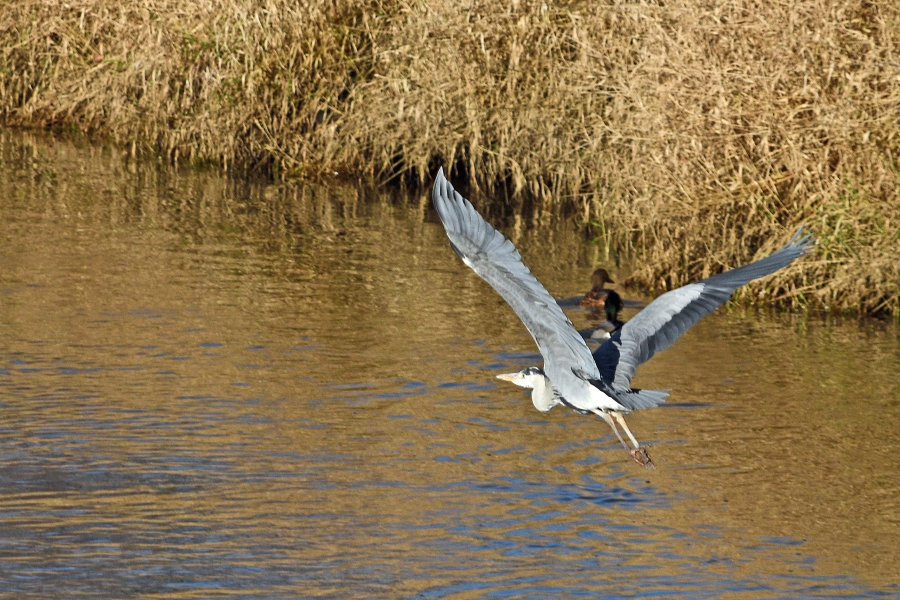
<point x="572" y="376"/>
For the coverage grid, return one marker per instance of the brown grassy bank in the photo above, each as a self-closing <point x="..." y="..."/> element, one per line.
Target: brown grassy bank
<point x="694" y="135"/>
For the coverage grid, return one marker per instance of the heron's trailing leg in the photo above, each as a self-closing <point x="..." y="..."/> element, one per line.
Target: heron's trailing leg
<point x="639" y="453"/>
<point x="608" y="419"/>
<point x="621" y="421"/>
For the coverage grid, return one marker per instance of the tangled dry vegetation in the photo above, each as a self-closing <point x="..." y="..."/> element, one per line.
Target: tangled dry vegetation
<point x="692" y="135"/>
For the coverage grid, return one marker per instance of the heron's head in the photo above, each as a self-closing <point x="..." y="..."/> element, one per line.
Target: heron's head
<point x="599" y="278"/>
<point x="526" y="378"/>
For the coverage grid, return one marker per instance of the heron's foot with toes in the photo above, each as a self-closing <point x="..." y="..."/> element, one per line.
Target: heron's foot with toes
<point x="641" y="457"/>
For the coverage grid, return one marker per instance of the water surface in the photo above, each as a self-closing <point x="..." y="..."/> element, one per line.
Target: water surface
<point x="216" y="388"/>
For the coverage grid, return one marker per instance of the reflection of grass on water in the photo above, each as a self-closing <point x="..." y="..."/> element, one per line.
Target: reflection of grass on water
<point x="694" y="138"/>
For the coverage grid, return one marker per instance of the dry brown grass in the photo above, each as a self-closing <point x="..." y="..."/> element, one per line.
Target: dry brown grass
<point x="694" y="135"/>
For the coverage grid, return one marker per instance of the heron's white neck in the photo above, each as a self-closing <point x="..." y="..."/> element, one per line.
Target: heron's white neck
<point x="542" y="393"/>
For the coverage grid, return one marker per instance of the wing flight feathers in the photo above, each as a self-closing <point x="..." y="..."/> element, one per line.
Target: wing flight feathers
<point x="496" y="260"/>
<point x="665" y="319"/>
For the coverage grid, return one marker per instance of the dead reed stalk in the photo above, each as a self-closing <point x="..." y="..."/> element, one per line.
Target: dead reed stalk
<point x="695" y="135"/>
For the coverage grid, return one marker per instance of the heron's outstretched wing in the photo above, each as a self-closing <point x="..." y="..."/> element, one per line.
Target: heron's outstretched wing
<point x="496" y="260"/>
<point x="665" y="319"/>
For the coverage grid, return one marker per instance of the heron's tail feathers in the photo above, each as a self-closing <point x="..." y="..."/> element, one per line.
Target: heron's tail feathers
<point x="638" y="399"/>
<point x="632" y="399"/>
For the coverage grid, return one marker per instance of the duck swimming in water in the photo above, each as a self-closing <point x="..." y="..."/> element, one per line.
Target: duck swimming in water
<point x="600" y="298"/>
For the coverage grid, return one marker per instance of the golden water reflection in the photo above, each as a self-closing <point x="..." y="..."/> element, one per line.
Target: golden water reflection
<point x="213" y="387"/>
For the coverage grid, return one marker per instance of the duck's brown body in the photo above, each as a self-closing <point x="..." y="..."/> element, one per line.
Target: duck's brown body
<point x="600" y="299"/>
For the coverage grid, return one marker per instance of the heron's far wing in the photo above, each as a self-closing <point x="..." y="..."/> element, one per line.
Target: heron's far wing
<point x="496" y="260"/>
<point x="571" y="302"/>
<point x="665" y="319"/>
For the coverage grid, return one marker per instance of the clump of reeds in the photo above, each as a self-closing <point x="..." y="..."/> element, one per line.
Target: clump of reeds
<point x="694" y="135"/>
